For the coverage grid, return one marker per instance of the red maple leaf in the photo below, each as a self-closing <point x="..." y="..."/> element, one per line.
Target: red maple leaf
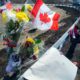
<point x="44" y="17"/>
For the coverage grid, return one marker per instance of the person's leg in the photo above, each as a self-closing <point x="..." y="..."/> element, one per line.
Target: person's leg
<point x="71" y="50"/>
<point x="78" y="39"/>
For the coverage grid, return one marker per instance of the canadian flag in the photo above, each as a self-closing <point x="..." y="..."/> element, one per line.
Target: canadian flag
<point x="45" y="19"/>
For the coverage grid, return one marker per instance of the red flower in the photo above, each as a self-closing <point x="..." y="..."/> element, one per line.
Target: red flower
<point x="1" y="11"/>
<point x="9" y="5"/>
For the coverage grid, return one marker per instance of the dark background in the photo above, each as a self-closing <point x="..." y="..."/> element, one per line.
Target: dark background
<point x="46" y="1"/>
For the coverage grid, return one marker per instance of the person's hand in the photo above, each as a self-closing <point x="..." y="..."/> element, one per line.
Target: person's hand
<point x="75" y="63"/>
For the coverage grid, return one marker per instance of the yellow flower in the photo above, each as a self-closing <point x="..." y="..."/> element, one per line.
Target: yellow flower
<point x="29" y="7"/>
<point x="30" y="40"/>
<point x="22" y="16"/>
<point x="36" y="50"/>
<point x="4" y="17"/>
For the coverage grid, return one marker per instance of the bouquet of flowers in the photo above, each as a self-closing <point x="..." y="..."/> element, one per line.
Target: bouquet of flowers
<point x="14" y="19"/>
<point x="30" y="47"/>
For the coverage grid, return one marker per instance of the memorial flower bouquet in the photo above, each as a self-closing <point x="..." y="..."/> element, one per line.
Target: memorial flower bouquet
<point x="30" y="47"/>
<point x="14" y="20"/>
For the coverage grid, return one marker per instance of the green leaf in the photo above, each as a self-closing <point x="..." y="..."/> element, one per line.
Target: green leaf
<point x="23" y="8"/>
<point x="10" y="26"/>
<point x="37" y="41"/>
